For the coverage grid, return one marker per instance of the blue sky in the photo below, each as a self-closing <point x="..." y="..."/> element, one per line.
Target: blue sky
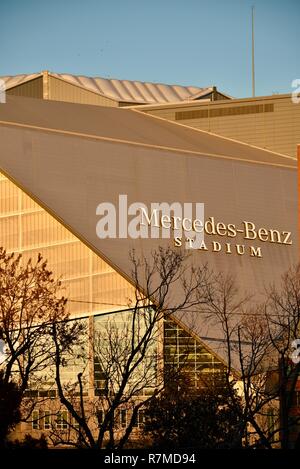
<point x="189" y="42"/>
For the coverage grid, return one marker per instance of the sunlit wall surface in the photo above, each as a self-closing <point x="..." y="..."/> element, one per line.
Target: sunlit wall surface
<point x="90" y="284"/>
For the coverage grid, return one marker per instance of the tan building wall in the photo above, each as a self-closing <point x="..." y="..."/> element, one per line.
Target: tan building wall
<point x="30" y="89"/>
<point x="48" y="87"/>
<point x="60" y="90"/>
<point x="271" y="122"/>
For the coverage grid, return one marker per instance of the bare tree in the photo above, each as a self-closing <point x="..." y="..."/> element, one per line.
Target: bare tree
<point x="128" y="351"/>
<point x="29" y="304"/>
<point x="224" y="309"/>
<point x="257" y="341"/>
<point x="283" y="321"/>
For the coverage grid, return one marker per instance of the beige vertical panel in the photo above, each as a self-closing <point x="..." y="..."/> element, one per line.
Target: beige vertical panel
<point x="9" y="197"/>
<point x="60" y="90"/>
<point x="112" y="289"/>
<point x="71" y="259"/>
<point x="9" y="233"/>
<point x="99" y="265"/>
<point x="28" y="203"/>
<point x="67" y="260"/>
<point x="78" y="293"/>
<point x="30" y="89"/>
<point x="45" y="84"/>
<point x="40" y="228"/>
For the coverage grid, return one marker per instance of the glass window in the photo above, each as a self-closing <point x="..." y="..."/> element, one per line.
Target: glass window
<point x="139" y="421"/>
<point x="141" y="418"/>
<point x="113" y="343"/>
<point x="123" y="418"/>
<point x="36" y="420"/>
<point x="62" y="420"/>
<point x="47" y="420"/>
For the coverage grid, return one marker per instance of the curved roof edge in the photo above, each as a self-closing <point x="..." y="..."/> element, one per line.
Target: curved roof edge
<point x="131" y="91"/>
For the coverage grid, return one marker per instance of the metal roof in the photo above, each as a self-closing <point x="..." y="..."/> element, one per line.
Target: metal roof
<point x="122" y="90"/>
<point x="15" y="80"/>
<point x="135" y="91"/>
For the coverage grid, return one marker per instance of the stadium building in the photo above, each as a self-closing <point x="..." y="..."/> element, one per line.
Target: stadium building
<point x="65" y="154"/>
